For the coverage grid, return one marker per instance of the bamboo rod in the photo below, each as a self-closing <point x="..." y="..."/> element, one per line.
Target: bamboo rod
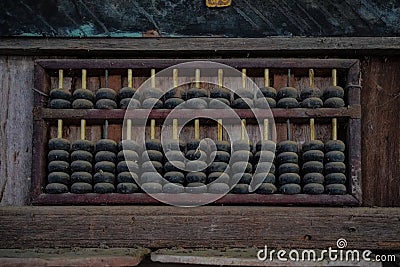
<point x="106" y="78"/>
<point x="175" y="77"/>
<point x="267" y="81"/>
<point x="130" y="78"/>
<point x="129" y="129"/>
<point x="197" y="78"/>
<point x="219" y="133"/>
<point x="175" y="129"/>
<point x="84" y="77"/>
<point x="60" y="85"/>
<point x="244" y="78"/>
<point x="153" y="129"/>
<point x="220" y="78"/>
<point x="83" y="129"/>
<point x="196" y="129"/>
<point x="334" y="77"/>
<point x="311" y="76"/>
<point x="105" y="130"/>
<point x="266" y="129"/>
<point x="312" y="130"/>
<point x="153" y="78"/>
<point x="83" y="121"/>
<point x="60" y="79"/>
<point x="334" y="129"/>
<point x="243" y="132"/>
<point x="59" y="129"/>
<point x="288" y="133"/>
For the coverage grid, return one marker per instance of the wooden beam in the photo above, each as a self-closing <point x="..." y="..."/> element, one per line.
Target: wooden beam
<point x="182" y="199"/>
<point x="208" y="226"/>
<point x="161" y="63"/>
<point x="73" y="257"/>
<point x="117" y="115"/>
<point x="248" y="47"/>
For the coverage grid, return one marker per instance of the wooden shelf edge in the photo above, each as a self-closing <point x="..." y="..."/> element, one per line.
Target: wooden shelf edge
<point x="230" y="199"/>
<point x="55" y="64"/>
<point x="119" y="114"/>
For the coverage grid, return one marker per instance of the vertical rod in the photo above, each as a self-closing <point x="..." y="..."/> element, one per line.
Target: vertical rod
<point x="312" y="130"/>
<point x="334" y="77"/>
<point x="244" y="78"/>
<point x="197" y="78"/>
<point x="83" y="122"/>
<point x="153" y="129"/>
<point x="220" y="78"/>
<point x="219" y="132"/>
<point x="266" y="129"/>
<point x="311" y="75"/>
<point x="129" y="129"/>
<point x="60" y="85"/>
<point x="175" y="77"/>
<point x="288" y="77"/>
<point x="105" y="130"/>
<point x="84" y="76"/>
<point x="60" y="79"/>
<point x="196" y="129"/>
<point x="175" y="129"/>
<point x="83" y="129"/>
<point x="288" y="129"/>
<point x="334" y="120"/>
<point x="267" y="81"/>
<point x="334" y="129"/>
<point x="243" y="132"/>
<point x="106" y="78"/>
<point x="59" y="129"/>
<point x="153" y="78"/>
<point x="130" y="80"/>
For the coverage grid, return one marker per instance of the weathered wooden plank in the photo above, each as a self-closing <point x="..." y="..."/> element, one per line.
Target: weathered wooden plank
<point x="182" y="199"/>
<point x="155" y="227"/>
<point x="40" y="129"/>
<point x="380" y="143"/>
<point x="192" y="18"/>
<point x="281" y="63"/>
<point x="73" y="257"/>
<point x="246" y="257"/>
<point x="152" y="47"/>
<point x="16" y="97"/>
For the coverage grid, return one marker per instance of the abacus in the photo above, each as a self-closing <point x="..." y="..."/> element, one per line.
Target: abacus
<point x="315" y="161"/>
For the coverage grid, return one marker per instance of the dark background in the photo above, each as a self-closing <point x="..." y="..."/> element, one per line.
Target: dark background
<point x="245" y="18"/>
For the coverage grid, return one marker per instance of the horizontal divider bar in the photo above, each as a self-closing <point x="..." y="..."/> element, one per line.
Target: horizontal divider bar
<point x="234" y="199"/>
<point x="117" y="115"/>
<point x="164" y="63"/>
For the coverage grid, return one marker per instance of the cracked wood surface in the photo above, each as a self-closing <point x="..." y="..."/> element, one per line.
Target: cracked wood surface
<point x="208" y="226"/>
<point x="245" y="18"/>
<point x="16" y="98"/>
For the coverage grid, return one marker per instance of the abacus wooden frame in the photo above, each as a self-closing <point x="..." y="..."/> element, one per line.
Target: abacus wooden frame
<point x="43" y="117"/>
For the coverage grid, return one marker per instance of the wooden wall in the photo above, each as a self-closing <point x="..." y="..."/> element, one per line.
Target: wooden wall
<point x="380" y="124"/>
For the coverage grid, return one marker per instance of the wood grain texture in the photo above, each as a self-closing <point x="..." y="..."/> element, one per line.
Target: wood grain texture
<point x="155" y="227"/>
<point x="190" y="47"/>
<point x="95" y="257"/>
<point x="380" y="144"/>
<point x="194" y="199"/>
<point x="256" y="18"/>
<point x="16" y="120"/>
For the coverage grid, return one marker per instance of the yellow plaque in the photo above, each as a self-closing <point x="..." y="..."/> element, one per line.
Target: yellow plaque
<point x="218" y="3"/>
